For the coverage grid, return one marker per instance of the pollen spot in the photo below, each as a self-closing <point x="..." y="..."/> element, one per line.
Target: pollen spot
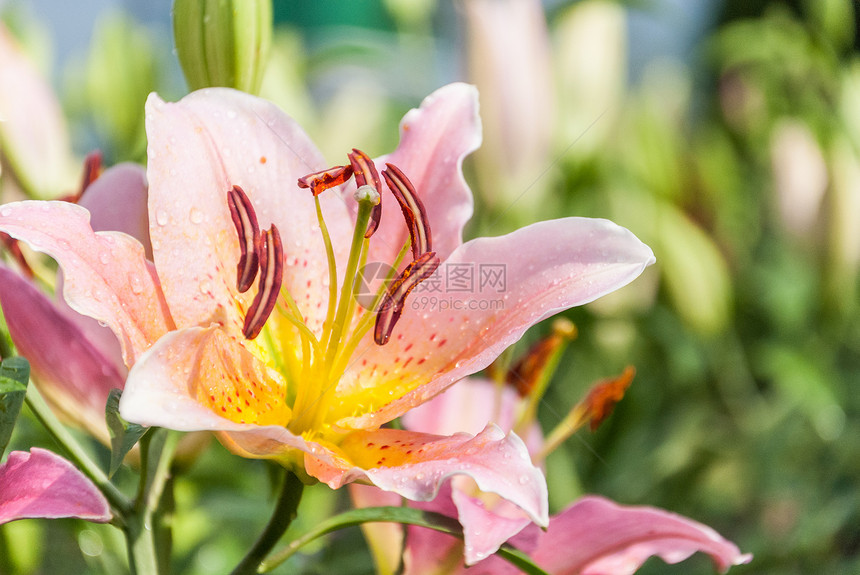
<point x="262" y="159"/>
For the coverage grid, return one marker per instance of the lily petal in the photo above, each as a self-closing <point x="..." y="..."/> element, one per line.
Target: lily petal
<point x="42" y="484"/>
<point x="484" y="530"/>
<point x="467" y="407"/>
<point x="232" y="138"/>
<point x="416" y="465"/>
<point x="191" y="375"/>
<point x="72" y="371"/>
<point x="33" y="135"/>
<point x="445" y="335"/>
<point x="434" y="139"/>
<point x="596" y="536"/>
<point x="117" y="202"/>
<point x="107" y="276"/>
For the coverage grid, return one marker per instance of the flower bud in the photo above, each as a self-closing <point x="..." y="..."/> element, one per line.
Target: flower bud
<point x="223" y="42"/>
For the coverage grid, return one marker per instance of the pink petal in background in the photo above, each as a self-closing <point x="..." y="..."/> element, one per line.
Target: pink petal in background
<point x="43" y="484"/>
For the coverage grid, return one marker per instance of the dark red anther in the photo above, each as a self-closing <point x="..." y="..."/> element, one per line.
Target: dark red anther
<point x="11" y="244"/>
<point x="366" y="175"/>
<point x="92" y="171"/>
<point x="271" y="275"/>
<point x="245" y="220"/>
<point x="318" y="182"/>
<point x="413" y="209"/>
<point x="395" y="297"/>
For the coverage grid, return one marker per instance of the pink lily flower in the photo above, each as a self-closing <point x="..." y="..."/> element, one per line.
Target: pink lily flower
<point x="74" y="361"/>
<point x="43" y="484"/>
<point x="282" y="364"/>
<point x="593" y="536"/>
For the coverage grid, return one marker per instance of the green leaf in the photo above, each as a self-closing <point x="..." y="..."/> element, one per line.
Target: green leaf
<point x="123" y="435"/>
<point x="404" y="515"/>
<point x="14" y="375"/>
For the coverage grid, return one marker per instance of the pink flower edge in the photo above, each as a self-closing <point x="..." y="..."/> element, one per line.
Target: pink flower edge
<point x="41" y="484"/>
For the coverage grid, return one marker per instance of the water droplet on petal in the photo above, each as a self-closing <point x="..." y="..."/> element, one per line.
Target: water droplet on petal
<point x="136" y="284"/>
<point x="161" y="217"/>
<point x="524" y="479"/>
<point x="196" y="216"/>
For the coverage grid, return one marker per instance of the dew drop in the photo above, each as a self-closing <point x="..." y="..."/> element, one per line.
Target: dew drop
<point x="136" y="284"/>
<point x="523" y="479"/>
<point x="5" y="212"/>
<point x="205" y="287"/>
<point x="104" y="257"/>
<point x="196" y="216"/>
<point x="161" y="217"/>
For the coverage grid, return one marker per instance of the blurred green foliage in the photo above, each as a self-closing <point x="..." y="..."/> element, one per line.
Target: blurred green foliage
<point x="740" y="167"/>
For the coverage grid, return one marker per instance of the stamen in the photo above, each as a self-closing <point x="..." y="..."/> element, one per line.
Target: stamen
<point x="363" y="167"/>
<point x="412" y="207"/>
<point x="271" y="275"/>
<point x="318" y="182"/>
<point x="395" y="299"/>
<point x="245" y="220"/>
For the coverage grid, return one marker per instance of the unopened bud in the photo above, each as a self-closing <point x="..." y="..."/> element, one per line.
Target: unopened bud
<point x="223" y="42"/>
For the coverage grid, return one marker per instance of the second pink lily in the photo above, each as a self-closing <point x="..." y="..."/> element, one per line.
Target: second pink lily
<point x="307" y="384"/>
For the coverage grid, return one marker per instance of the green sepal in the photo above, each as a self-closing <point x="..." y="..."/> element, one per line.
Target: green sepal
<point x="14" y="376"/>
<point x="123" y="435"/>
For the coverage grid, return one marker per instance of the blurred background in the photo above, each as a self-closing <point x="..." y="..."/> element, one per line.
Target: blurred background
<point x="725" y="134"/>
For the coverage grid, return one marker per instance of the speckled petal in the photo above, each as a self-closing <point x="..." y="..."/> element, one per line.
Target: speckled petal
<point x="107" y="276"/>
<point x="199" y="148"/>
<point x="450" y="329"/>
<point x="43" y="484"/>
<point x="415" y="465"/>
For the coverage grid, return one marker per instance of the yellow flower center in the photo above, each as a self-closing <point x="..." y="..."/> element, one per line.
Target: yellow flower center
<point x="275" y="329"/>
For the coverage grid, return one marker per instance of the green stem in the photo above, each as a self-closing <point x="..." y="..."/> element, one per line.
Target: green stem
<point x="404" y="515"/>
<point x="145" y="528"/>
<point x="75" y="452"/>
<point x="282" y="516"/>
